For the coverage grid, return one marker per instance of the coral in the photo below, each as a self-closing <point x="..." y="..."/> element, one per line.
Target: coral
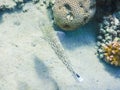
<point x="55" y="44"/>
<point x="71" y="14"/>
<point x="108" y="43"/>
<point x="112" y="53"/>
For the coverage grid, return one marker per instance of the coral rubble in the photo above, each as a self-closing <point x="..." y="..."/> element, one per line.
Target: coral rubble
<point x="10" y="4"/>
<point x="71" y="14"/>
<point x="13" y="4"/>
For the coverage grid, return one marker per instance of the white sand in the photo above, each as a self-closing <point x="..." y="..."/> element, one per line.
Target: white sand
<point x="27" y="62"/>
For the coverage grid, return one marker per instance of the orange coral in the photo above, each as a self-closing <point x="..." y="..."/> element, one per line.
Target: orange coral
<point x="112" y="53"/>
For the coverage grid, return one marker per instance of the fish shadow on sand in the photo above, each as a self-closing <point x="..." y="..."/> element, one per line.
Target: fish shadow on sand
<point x="43" y="72"/>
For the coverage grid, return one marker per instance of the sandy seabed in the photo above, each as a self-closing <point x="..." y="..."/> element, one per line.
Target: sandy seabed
<point x="27" y="61"/>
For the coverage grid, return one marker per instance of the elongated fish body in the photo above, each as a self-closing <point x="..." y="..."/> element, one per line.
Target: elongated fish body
<point x="52" y="39"/>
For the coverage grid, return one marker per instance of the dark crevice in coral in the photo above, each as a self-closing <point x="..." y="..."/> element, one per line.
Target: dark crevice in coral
<point x="66" y="26"/>
<point x="60" y="7"/>
<point x="81" y="5"/>
<point x="71" y="14"/>
<point x="85" y="19"/>
<point x="67" y="6"/>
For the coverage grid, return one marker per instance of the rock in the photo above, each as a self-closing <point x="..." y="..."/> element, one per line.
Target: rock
<point x="70" y="15"/>
<point x="117" y="3"/>
<point x="106" y="7"/>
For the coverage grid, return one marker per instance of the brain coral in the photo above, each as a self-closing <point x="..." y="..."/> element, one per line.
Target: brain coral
<point x="71" y="14"/>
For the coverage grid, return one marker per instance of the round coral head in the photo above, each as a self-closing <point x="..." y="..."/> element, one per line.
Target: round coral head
<point x="71" y="14"/>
